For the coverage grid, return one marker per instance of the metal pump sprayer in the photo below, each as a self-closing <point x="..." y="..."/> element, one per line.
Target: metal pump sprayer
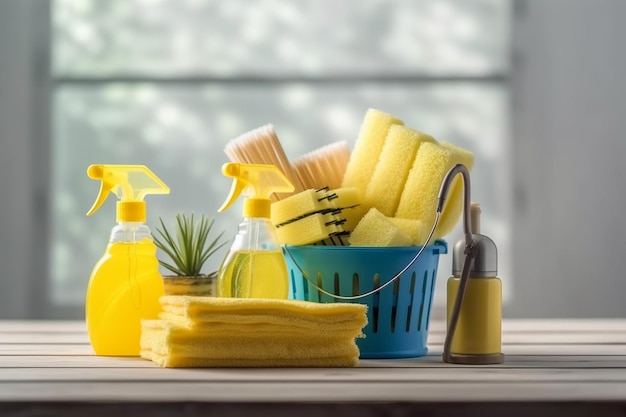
<point x="474" y="292"/>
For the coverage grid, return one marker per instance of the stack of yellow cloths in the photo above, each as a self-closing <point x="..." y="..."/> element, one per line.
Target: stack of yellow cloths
<point x="245" y="332"/>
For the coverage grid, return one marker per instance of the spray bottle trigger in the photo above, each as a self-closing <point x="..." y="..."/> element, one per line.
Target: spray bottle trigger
<point x="96" y="172"/>
<point x="235" y="191"/>
<point x="102" y="196"/>
<point x="130" y="183"/>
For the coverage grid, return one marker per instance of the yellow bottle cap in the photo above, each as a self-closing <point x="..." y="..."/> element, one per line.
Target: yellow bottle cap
<point x="131" y="211"/>
<point x="257" y="207"/>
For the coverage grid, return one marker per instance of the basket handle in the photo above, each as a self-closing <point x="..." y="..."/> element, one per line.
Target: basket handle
<point x="375" y="290"/>
<point x="470" y="253"/>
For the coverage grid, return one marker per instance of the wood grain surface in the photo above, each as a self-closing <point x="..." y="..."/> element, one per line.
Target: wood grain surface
<point x="552" y="367"/>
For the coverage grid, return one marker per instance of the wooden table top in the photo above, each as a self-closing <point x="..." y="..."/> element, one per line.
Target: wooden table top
<point x="571" y="367"/>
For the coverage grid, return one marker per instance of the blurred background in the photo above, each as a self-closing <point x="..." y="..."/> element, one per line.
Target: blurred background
<point x="533" y="87"/>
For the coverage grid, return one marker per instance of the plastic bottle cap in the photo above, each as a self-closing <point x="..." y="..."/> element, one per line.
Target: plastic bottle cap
<point x="131" y="211"/>
<point x="485" y="264"/>
<point x="257" y="207"/>
<point x="475" y="215"/>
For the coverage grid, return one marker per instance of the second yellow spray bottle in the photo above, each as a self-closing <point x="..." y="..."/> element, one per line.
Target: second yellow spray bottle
<point x="254" y="266"/>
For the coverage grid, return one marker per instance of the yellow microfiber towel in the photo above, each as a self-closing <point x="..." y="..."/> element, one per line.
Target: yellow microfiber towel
<point x="229" y="325"/>
<point x="288" y="313"/>
<point x="228" y="332"/>
<point x="222" y="329"/>
<point x="174" y="361"/>
<point x="171" y="344"/>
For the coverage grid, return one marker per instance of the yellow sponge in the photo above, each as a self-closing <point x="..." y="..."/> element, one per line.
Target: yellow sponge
<point x="417" y="230"/>
<point x="375" y="229"/>
<point x="392" y="169"/>
<point x="350" y="201"/>
<point x="453" y="206"/>
<point x="353" y="216"/>
<point x="419" y="198"/>
<point x="309" y="229"/>
<point x="299" y="205"/>
<point x="367" y="147"/>
<point x="345" y="197"/>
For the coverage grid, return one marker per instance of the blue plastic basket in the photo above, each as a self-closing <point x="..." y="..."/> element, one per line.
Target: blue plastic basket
<point x="398" y="315"/>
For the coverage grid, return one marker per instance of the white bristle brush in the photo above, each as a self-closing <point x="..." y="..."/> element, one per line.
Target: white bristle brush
<point x="323" y="167"/>
<point x="261" y="146"/>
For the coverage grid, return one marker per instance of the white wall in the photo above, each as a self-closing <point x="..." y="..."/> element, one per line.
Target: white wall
<point x="23" y="156"/>
<point x="569" y="130"/>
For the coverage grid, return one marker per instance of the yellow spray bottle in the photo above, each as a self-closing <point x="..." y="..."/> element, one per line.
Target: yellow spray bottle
<point x="125" y="284"/>
<point x="254" y="267"/>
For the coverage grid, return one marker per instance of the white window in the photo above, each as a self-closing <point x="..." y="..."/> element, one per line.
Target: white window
<point x="169" y="83"/>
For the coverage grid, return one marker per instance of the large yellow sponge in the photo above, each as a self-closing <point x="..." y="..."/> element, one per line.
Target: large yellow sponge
<point x="419" y="198"/>
<point x="394" y="163"/>
<point x="345" y="197"/>
<point x="375" y="229"/>
<point x="417" y="230"/>
<point x="367" y="147"/>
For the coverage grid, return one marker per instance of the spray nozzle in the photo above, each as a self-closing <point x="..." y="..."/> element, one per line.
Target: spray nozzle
<point x="258" y="182"/>
<point x="130" y="184"/>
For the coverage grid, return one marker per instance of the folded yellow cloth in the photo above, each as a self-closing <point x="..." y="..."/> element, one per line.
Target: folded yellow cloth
<point x="217" y="328"/>
<point x="237" y="332"/>
<point x="173" y="346"/>
<point x="192" y="311"/>
<point x="173" y="361"/>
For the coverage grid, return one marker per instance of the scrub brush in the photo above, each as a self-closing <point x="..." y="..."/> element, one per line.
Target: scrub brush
<point x="323" y="167"/>
<point x="261" y="146"/>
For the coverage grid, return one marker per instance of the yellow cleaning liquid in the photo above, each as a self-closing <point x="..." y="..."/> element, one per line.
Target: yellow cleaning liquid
<point x="124" y="288"/>
<point x="254" y="274"/>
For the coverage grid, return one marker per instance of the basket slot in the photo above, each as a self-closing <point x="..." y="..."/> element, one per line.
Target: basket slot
<point x="362" y="285"/>
<point x="310" y="292"/>
<point x="387" y="303"/>
<point x="323" y="282"/>
<point x="404" y="302"/>
<point x="394" y="307"/>
<point x="409" y="310"/>
<point x="375" y="303"/>
<point x="345" y="285"/>
<point x="423" y="298"/>
<point x="430" y="298"/>
<point x="295" y="294"/>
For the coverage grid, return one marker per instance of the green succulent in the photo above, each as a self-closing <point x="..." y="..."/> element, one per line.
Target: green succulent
<point x="188" y="246"/>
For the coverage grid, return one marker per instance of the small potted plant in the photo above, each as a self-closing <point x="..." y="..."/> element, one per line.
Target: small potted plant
<point x="188" y="248"/>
